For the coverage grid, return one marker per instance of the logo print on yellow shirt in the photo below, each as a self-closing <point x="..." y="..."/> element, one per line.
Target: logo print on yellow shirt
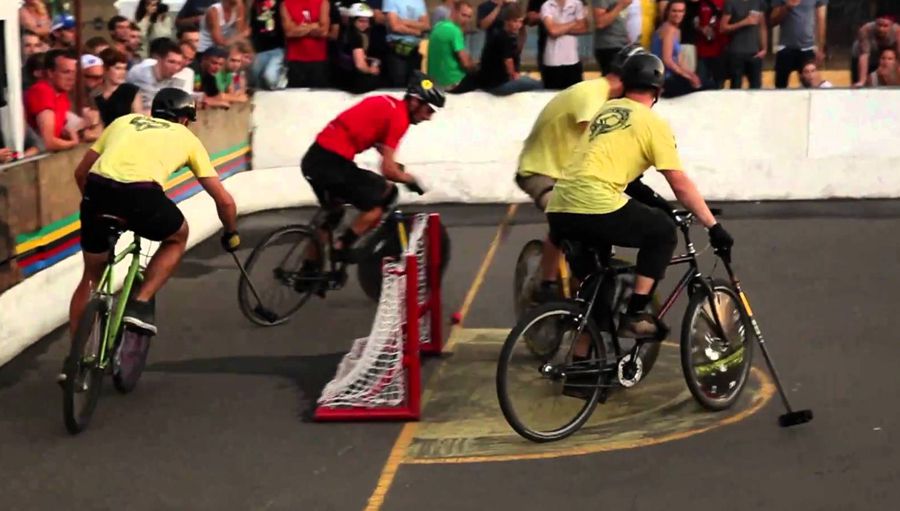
<point x="147" y="123"/>
<point x="608" y="120"/>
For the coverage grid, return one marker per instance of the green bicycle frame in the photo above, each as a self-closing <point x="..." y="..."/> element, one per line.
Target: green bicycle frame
<point x="105" y="288"/>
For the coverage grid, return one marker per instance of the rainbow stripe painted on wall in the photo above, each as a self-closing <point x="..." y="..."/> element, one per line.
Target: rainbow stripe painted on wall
<point x="45" y="247"/>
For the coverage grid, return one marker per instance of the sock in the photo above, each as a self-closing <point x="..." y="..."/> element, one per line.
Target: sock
<point x="547" y="284"/>
<point x="348" y="239"/>
<point x="638" y="303"/>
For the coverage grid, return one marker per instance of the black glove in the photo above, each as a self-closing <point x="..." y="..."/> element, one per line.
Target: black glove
<point x="720" y="239"/>
<point x="415" y="187"/>
<point x="231" y="241"/>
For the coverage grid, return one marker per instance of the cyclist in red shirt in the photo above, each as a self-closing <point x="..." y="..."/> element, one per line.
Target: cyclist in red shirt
<point x="379" y="122"/>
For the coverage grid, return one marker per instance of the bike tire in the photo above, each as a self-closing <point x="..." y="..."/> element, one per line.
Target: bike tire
<point x="283" y="275"/>
<point x="386" y="243"/>
<point x="733" y="369"/>
<point x="566" y="312"/>
<point x="527" y="276"/>
<point x="81" y="388"/>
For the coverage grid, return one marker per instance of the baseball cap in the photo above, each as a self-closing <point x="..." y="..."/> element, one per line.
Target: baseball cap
<point x="88" y="61"/>
<point x="63" y="22"/>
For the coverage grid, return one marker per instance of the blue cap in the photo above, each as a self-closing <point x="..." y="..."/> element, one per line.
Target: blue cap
<point x="63" y="22"/>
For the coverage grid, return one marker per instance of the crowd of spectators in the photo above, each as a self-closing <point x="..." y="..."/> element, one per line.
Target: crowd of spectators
<point x="218" y="50"/>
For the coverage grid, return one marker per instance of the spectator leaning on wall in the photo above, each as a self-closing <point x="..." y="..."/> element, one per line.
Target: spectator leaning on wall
<point x="873" y="37"/>
<point x="610" y="31"/>
<point x="306" y="24"/>
<point x="407" y="22"/>
<point x="159" y="75"/>
<point x="357" y="71"/>
<point x="31" y="44"/>
<point x="267" y="71"/>
<point x="211" y="63"/>
<point x="449" y="64"/>
<point x="116" y="98"/>
<point x="745" y="21"/>
<point x="887" y="74"/>
<point x="47" y="101"/>
<point x="499" y="72"/>
<point x="563" y="19"/>
<point x="810" y="77"/>
<point x="802" y="35"/>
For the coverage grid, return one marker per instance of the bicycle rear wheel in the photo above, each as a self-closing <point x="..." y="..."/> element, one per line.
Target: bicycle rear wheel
<point x="274" y="268"/>
<point x="716" y="369"/>
<point x="81" y="388"/>
<point x="130" y="352"/>
<point x="547" y="398"/>
<point x="527" y="277"/>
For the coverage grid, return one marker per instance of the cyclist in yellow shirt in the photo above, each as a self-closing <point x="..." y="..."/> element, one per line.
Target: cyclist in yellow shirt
<point x="589" y="204"/>
<point x="549" y="147"/>
<point x="123" y="175"/>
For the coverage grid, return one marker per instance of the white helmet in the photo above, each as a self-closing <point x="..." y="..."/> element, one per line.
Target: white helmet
<point x="360" y="10"/>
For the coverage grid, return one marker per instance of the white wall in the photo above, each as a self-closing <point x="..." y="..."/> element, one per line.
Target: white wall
<point x="738" y="145"/>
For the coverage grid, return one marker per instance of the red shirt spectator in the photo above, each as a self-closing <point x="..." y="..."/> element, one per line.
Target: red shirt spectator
<point x="711" y="42"/>
<point x="47" y="102"/>
<point x="381" y="120"/>
<point x="306" y="48"/>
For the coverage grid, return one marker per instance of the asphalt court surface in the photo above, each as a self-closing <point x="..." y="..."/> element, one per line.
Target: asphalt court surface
<point x="219" y="421"/>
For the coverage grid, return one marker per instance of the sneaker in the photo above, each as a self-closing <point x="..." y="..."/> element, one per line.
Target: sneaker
<point x="642" y="326"/>
<point x="140" y="315"/>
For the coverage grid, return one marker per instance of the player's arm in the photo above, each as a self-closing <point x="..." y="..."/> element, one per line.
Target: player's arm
<point x="390" y="169"/>
<point x="687" y="194"/>
<point x="646" y="195"/>
<point x="84" y="167"/>
<point x="199" y="163"/>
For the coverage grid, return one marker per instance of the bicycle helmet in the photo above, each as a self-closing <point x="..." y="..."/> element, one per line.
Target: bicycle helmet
<point x="360" y="10"/>
<point x="422" y="87"/>
<point x="172" y="104"/>
<point x="618" y="61"/>
<point x="643" y="71"/>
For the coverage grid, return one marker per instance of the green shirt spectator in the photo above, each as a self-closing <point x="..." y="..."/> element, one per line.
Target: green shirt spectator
<point x="443" y="65"/>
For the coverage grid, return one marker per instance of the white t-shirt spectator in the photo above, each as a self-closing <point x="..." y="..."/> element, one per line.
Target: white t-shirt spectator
<point x="186" y="75"/>
<point x="562" y="51"/>
<point x="145" y="78"/>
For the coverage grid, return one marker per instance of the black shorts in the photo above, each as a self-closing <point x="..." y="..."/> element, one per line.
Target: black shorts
<point x="337" y="180"/>
<point x="634" y="225"/>
<point x="144" y="207"/>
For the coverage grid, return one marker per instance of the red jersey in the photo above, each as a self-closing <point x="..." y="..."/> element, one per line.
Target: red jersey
<point x="42" y="96"/>
<point x="375" y="120"/>
<point x="711" y="15"/>
<point x="305" y="49"/>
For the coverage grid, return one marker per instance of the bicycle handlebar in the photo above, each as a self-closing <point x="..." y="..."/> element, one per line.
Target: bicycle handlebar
<point x="684" y="218"/>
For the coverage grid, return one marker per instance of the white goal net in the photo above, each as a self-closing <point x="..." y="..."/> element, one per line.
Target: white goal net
<point x="381" y="371"/>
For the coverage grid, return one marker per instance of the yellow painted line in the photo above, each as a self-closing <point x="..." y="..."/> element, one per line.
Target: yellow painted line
<point x="47" y="238"/>
<point x="172" y="183"/>
<point x="395" y="458"/>
<point x="398" y="452"/>
<point x="482" y="271"/>
<point x="766" y="391"/>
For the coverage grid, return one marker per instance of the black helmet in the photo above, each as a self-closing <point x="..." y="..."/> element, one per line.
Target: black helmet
<point x="421" y="86"/>
<point x="618" y="61"/>
<point x="643" y="71"/>
<point x="172" y="104"/>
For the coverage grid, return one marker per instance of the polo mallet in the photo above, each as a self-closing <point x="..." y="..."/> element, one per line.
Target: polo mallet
<point x="792" y="417"/>
<point x="260" y="309"/>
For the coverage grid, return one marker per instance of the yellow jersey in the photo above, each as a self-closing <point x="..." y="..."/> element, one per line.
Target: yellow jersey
<point x="622" y="141"/>
<point x="136" y="148"/>
<point x="556" y="132"/>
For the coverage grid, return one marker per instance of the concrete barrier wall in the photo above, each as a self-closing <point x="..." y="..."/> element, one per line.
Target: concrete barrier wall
<point x="739" y="145"/>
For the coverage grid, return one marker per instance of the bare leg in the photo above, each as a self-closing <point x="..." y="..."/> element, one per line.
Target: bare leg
<point x="163" y="263"/>
<point x="93" y="271"/>
<point x="550" y="261"/>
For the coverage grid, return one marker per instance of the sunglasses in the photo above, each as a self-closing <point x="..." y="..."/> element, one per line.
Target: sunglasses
<point x="93" y="77"/>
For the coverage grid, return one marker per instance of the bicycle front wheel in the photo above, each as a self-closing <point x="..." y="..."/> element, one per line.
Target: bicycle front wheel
<point x="274" y="268"/>
<point x="716" y="368"/>
<point x="83" y="378"/>
<point x="549" y="397"/>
